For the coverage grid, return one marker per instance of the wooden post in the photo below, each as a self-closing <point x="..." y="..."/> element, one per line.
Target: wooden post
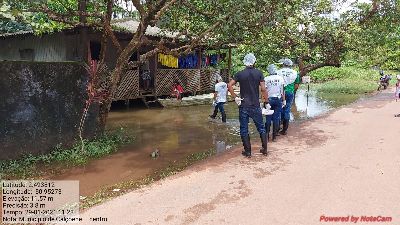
<point x="229" y="63"/>
<point x="155" y="72"/>
<point x="199" y="60"/>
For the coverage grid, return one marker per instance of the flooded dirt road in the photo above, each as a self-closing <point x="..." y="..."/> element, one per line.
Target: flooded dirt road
<point x="345" y="163"/>
<point x="176" y="133"/>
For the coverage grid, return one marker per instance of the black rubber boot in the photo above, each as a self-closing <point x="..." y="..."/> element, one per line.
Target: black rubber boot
<point x="275" y="132"/>
<point x="246" y="146"/>
<point x="267" y="131"/>
<point x="223" y="114"/>
<point x="214" y="113"/>
<point x="285" y="127"/>
<point x="274" y="136"/>
<point x="264" y="143"/>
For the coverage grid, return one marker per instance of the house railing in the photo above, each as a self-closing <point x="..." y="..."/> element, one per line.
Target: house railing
<point x="192" y="80"/>
<point x="128" y="87"/>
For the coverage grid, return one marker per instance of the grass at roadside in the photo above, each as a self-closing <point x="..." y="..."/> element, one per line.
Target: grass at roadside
<point x="346" y="86"/>
<point x="349" y="73"/>
<point x="348" y="80"/>
<point x="28" y="165"/>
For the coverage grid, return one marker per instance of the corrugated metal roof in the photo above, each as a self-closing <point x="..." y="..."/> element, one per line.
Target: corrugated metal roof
<point x="127" y="25"/>
<point x="16" y="33"/>
<point x="131" y="26"/>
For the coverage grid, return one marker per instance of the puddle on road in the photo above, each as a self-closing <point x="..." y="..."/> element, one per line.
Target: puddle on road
<point x="176" y="133"/>
<point x="318" y="103"/>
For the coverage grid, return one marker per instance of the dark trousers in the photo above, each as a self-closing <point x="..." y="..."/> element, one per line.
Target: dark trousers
<point x="250" y="112"/>
<point x="285" y="114"/>
<point x="220" y="107"/>
<point x="276" y="105"/>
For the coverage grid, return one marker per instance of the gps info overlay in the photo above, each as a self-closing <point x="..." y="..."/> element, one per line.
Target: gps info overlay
<point x="39" y="201"/>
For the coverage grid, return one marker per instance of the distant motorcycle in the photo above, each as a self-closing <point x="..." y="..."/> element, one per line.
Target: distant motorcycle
<point x="384" y="82"/>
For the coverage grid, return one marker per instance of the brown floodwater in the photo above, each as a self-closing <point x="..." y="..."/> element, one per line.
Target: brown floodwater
<point x="176" y="133"/>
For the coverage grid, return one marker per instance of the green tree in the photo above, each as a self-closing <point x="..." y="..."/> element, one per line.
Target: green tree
<point x="377" y="40"/>
<point x="318" y="35"/>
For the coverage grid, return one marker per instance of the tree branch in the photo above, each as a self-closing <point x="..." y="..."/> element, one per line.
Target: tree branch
<point x="162" y="10"/>
<point x="139" y="8"/>
<point x="373" y="11"/>
<point x="193" y="8"/>
<point x="305" y="69"/>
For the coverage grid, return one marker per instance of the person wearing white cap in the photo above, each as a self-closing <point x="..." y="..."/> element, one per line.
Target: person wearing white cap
<point x="250" y="80"/>
<point x="275" y="87"/>
<point x="221" y="89"/>
<point x="291" y="78"/>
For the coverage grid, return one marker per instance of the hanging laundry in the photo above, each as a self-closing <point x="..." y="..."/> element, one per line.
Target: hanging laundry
<point x="168" y="60"/>
<point x="188" y="61"/>
<point x="203" y="61"/>
<point x="213" y="60"/>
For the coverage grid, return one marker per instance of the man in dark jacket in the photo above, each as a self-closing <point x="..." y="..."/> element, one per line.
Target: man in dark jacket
<point x="250" y="80"/>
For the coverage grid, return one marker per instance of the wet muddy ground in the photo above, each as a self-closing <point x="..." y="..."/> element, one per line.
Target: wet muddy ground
<point x="177" y="133"/>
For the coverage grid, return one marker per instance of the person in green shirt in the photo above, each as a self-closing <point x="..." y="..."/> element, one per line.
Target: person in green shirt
<point x="292" y="80"/>
<point x="292" y="88"/>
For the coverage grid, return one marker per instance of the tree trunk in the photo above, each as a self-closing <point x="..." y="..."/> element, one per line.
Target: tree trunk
<point x="115" y="78"/>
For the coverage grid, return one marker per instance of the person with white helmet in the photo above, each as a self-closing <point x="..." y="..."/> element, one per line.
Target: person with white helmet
<point x="221" y="89"/>
<point x="251" y="81"/>
<point x="291" y="78"/>
<point x="275" y="87"/>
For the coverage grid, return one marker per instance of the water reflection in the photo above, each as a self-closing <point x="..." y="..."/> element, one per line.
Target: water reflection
<point x="307" y="105"/>
<point x="311" y="104"/>
<point x="177" y="133"/>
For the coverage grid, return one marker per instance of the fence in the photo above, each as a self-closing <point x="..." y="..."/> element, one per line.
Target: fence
<point x="192" y="80"/>
<point x="128" y="88"/>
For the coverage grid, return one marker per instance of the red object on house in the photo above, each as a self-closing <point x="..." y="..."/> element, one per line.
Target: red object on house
<point x="179" y="88"/>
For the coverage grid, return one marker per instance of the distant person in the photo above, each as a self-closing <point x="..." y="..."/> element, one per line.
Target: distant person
<point x="250" y="80"/>
<point x="221" y="90"/>
<point x="146" y="77"/>
<point x="290" y="77"/>
<point x="384" y="80"/>
<point x="397" y="93"/>
<point x="177" y="90"/>
<point x="275" y="87"/>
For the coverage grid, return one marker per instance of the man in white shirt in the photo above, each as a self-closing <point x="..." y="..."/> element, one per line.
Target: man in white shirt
<point x="289" y="76"/>
<point x="276" y="96"/>
<point x="221" y="90"/>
